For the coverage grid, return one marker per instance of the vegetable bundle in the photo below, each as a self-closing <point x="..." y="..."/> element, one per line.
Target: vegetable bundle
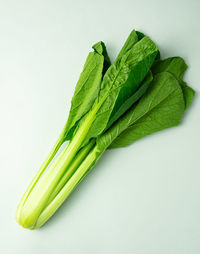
<point x="113" y="105"/>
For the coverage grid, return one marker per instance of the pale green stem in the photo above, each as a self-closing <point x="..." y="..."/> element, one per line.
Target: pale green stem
<point x="36" y="200"/>
<point x="45" y="164"/>
<point x="38" y="197"/>
<point x="80" y="156"/>
<point x="68" y="188"/>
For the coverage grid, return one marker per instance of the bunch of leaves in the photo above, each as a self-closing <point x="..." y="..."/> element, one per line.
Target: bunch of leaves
<point x="113" y="106"/>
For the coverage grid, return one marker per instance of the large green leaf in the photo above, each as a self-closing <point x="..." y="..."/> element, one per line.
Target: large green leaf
<point x="161" y="107"/>
<point x="177" y="67"/>
<point x="88" y="86"/>
<point x="120" y="82"/>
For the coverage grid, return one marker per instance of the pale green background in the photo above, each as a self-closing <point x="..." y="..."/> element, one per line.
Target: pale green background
<point x="143" y="199"/>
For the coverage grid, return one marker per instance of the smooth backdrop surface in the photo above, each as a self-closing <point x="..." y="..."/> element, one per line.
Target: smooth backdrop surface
<point x="143" y="199"/>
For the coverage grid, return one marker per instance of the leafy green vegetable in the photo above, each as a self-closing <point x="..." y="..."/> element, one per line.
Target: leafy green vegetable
<point x="113" y="106"/>
<point x="97" y="62"/>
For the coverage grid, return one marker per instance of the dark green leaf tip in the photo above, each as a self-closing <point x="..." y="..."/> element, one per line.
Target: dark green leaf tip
<point x="99" y="47"/>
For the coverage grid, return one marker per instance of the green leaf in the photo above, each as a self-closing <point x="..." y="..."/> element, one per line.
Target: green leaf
<point x="100" y="48"/>
<point x="177" y="67"/>
<point x="88" y="86"/>
<point x="188" y="93"/>
<point x="119" y="84"/>
<point x="173" y="65"/>
<point x="127" y="102"/>
<point x="130" y="42"/>
<point x="161" y="107"/>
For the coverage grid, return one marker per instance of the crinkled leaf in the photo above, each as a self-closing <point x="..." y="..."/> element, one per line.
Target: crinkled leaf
<point x="88" y="86"/>
<point x="120" y="82"/>
<point x="130" y="42"/>
<point x="100" y="48"/>
<point x="161" y="107"/>
<point x="127" y="102"/>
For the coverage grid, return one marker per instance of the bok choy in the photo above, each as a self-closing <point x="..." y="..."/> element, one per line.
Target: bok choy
<point x="113" y="105"/>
